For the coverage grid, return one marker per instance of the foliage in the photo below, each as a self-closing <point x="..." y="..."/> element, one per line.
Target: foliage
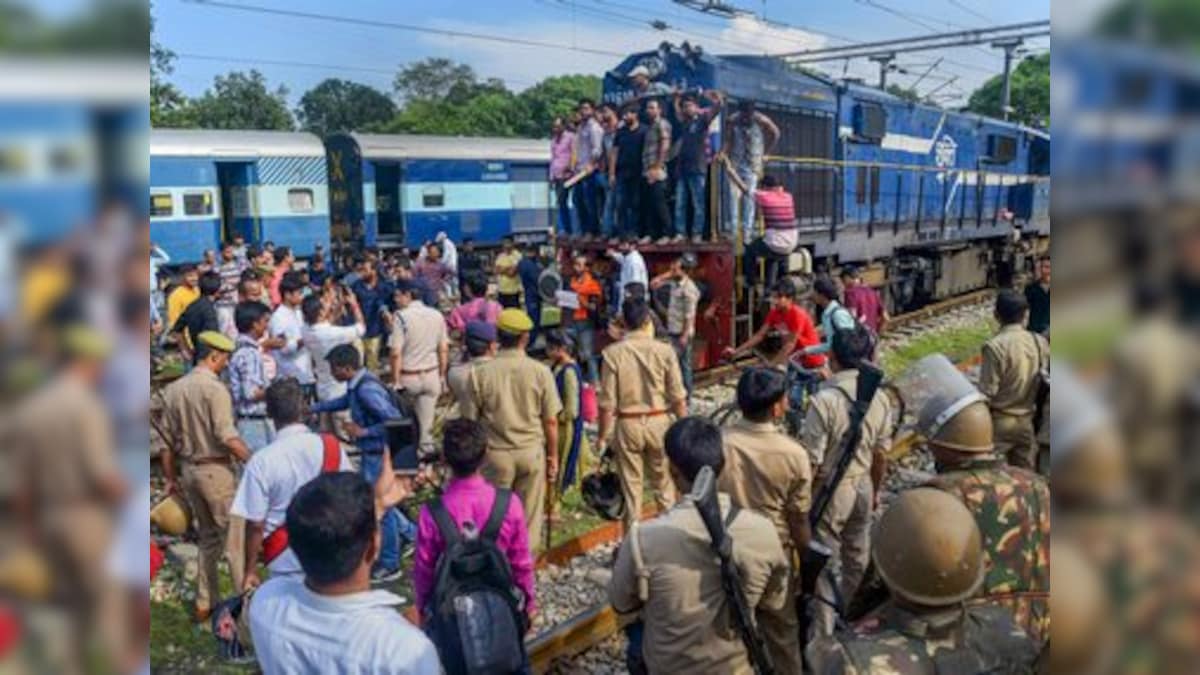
<point x="905" y="93"/>
<point x="554" y="97"/>
<point x="957" y="343"/>
<point x="168" y="105"/>
<point x="341" y="105"/>
<point x="113" y="27"/>
<point x="1170" y="23"/>
<point x="242" y="101"/>
<point x="1030" y="93"/>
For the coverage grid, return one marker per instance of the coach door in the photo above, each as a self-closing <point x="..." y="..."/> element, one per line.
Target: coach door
<point x="236" y="181"/>
<point x="387" y="202"/>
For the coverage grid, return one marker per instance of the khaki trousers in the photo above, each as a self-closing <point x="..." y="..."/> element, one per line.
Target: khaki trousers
<point x="209" y="490"/>
<point x="371" y="352"/>
<point x="1016" y="440"/>
<point x="781" y="631"/>
<point x="637" y="440"/>
<point x="523" y="472"/>
<point x="424" y="389"/>
<point x="77" y="539"/>
<point x="845" y="529"/>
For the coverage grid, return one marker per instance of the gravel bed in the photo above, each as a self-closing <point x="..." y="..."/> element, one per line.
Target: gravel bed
<point x="564" y="591"/>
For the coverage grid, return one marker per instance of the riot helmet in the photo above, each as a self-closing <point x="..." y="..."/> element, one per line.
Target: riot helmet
<point x="951" y="412"/>
<point x="928" y="549"/>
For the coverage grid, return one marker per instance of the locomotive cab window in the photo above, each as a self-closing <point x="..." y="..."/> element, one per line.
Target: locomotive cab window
<point x="870" y="122"/>
<point x="197" y="203"/>
<point x="300" y="200"/>
<point x="161" y="204"/>
<point x="1002" y="149"/>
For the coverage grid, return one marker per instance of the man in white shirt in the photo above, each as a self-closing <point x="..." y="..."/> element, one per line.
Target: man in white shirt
<point x="420" y="347"/>
<point x="633" y="268"/>
<point x="273" y="475"/>
<point x="450" y="260"/>
<point x="329" y="621"/>
<point x="288" y="322"/>
<point x="320" y="336"/>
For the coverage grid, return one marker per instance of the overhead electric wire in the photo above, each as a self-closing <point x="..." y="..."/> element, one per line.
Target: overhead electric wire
<point x="970" y="10"/>
<point x="467" y="35"/>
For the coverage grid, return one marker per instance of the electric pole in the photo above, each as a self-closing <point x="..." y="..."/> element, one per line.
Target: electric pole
<point x="885" y="64"/>
<point x="1009" y="47"/>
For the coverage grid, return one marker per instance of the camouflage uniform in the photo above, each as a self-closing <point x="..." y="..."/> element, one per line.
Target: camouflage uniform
<point x="901" y="642"/>
<point x="1012" y="508"/>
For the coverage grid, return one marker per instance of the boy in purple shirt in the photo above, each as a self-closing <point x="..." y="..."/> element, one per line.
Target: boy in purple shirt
<point x="469" y="497"/>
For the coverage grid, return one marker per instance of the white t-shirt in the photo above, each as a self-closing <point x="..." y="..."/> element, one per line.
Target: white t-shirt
<point x="781" y="240"/>
<point x="633" y="270"/>
<point x="293" y="358"/>
<point x="271" y="479"/>
<point x="298" y="631"/>
<point x="319" y="340"/>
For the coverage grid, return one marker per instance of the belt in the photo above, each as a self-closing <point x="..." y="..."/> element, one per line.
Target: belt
<point x="418" y="372"/>
<point x="1005" y="413"/>
<point x="640" y="415"/>
<point x="203" y="461"/>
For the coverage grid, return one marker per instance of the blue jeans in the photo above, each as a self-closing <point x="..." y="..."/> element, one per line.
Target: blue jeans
<point x="583" y="195"/>
<point x="627" y="200"/>
<point x="608" y="223"/>
<point x="585" y="344"/>
<point x="561" y="195"/>
<point x="394" y="525"/>
<point x="732" y="198"/>
<point x="685" y="362"/>
<point x="689" y="188"/>
<point x="257" y="432"/>
<point x="534" y="310"/>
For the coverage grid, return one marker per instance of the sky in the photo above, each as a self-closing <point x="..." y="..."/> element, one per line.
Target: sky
<point x="587" y="36"/>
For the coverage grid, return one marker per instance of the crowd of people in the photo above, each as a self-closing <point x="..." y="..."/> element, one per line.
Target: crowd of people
<point x="622" y="169"/>
<point x="291" y="365"/>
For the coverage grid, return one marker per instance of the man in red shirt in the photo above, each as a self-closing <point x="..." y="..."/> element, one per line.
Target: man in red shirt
<point x="584" y="319"/>
<point x="788" y="318"/>
<point x="863" y="301"/>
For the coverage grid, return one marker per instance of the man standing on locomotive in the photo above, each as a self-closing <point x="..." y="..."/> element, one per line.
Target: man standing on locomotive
<point x="656" y="217"/>
<point x="752" y="135"/>
<point x="692" y="162"/>
<point x="681" y="312"/>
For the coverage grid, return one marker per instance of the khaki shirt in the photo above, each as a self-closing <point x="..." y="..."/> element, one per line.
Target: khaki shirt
<point x="681" y="312"/>
<point x="768" y="472"/>
<point x="513" y="395"/>
<point x="640" y="374"/>
<point x="199" y="414"/>
<point x="1009" y="373"/>
<point x="62" y="441"/>
<point x="829" y="417"/>
<point x="688" y="623"/>
<point x="458" y="379"/>
<point x="417" y="333"/>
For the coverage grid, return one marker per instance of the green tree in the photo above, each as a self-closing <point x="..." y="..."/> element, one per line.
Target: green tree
<point x="1030" y="98"/>
<point x="435" y="79"/>
<point x="168" y="106"/>
<point x="553" y="97"/>
<point x="341" y="105"/>
<point x="907" y="93"/>
<point x="242" y="101"/>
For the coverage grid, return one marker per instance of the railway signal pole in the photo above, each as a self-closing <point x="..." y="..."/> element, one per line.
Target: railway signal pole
<point x="1010" y="47"/>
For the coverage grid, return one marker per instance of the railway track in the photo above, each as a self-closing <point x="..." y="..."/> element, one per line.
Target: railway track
<point x="566" y="646"/>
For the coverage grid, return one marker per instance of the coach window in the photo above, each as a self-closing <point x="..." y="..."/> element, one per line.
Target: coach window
<point x="300" y="200"/>
<point x="197" y="203"/>
<point x="433" y="198"/>
<point x="161" y="204"/>
<point x="66" y="159"/>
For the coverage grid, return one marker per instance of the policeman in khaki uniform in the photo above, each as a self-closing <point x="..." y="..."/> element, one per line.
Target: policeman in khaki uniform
<point x="845" y="526"/>
<point x="768" y="472"/>
<point x="640" y="387"/>
<point x="199" y="417"/>
<point x="420" y="355"/>
<point x="479" y="339"/>
<point x="1011" y="505"/>
<point x="666" y="569"/>
<point x="516" y="401"/>
<point x="930" y="554"/>
<point x="1009" y="378"/>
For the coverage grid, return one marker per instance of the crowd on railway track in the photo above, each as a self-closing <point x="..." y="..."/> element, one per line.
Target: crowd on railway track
<point x="292" y="368"/>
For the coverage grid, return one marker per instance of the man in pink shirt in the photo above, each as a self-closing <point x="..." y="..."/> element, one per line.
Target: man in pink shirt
<point x="863" y="301"/>
<point x="780" y="233"/>
<point x="562" y="156"/>
<point x="283" y="264"/>
<point x="469" y="497"/>
<point x="478" y="309"/>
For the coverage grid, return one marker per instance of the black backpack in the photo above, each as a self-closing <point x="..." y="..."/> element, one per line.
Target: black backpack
<point x="476" y="618"/>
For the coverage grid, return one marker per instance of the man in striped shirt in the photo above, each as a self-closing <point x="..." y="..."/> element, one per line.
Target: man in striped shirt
<point x="780" y="233"/>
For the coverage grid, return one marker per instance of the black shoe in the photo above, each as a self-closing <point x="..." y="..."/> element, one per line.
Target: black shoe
<point x="383" y="575"/>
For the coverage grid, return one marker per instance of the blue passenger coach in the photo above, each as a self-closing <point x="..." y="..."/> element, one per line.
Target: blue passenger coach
<point x="402" y="190"/>
<point x="207" y="186"/>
